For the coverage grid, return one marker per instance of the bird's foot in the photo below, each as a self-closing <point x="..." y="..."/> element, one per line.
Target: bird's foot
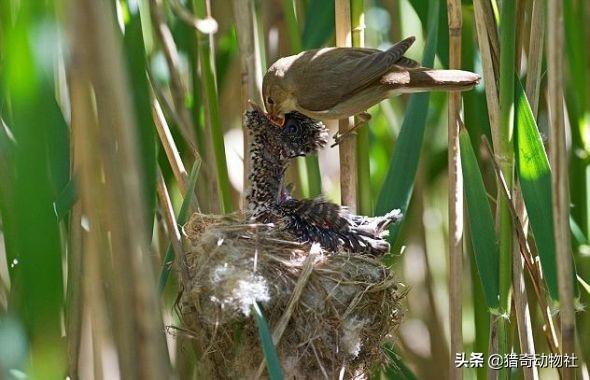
<point x="363" y="118"/>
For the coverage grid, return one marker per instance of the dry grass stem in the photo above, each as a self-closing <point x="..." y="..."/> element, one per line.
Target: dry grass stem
<point x="75" y="286"/>
<point x="489" y="71"/>
<point x="251" y="67"/>
<point x="455" y="193"/>
<point x="113" y="179"/>
<point x="559" y="181"/>
<point x="178" y="88"/>
<point x="529" y="255"/>
<point x="535" y="56"/>
<point x="172" y="227"/>
<point x="169" y="145"/>
<point x="347" y="148"/>
<point x="521" y="304"/>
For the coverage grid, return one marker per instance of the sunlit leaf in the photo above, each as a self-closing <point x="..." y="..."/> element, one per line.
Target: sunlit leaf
<point x="535" y="180"/>
<point x="481" y="222"/>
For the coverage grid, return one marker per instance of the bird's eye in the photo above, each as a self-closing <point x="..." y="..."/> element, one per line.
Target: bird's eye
<point x="269" y="100"/>
<point x="290" y="127"/>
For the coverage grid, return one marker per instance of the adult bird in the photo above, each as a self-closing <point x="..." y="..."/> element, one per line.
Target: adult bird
<point x="335" y="83"/>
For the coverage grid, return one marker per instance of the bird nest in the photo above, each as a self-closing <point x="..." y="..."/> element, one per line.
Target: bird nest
<point x="329" y="312"/>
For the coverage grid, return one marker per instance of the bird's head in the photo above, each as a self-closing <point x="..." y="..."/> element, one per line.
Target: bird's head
<point x="301" y="135"/>
<point x="277" y="99"/>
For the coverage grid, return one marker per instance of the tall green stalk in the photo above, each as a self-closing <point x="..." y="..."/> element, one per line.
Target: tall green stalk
<point x="308" y="167"/>
<point x="505" y="154"/>
<point x="364" y="199"/>
<point x="211" y="101"/>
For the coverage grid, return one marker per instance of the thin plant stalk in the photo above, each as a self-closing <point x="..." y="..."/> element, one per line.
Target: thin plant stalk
<point x="364" y="201"/>
<point x="347" y="147"/>
<point x="528" y="252"/>
<point x="521" y="303"/>
<point x="211" y="103"/>
<point x="455" y="193"/>
<point x="182" y="218"/>
<point x="177" y="86"/>
<point x="75" y="289"/>
<point x="489" y="52"/>
<point x="251" y="67"/>
<point x="112" y="178"/>
<point x="169" y="145"/>
<point x="488" y="58"/>
<point x="504" y="151"/>
<point x="94" y="305"/>
<point x="171" y="225"/>
<point x="559" y="180"/>
<point x="535" y="57"/>
<point x="519" y="31"/>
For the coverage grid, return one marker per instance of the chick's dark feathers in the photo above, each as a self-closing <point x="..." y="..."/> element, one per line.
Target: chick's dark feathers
<point x="309" y="220"/>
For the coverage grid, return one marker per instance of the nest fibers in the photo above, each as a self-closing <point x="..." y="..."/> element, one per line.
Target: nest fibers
<point x="329" y="312"/>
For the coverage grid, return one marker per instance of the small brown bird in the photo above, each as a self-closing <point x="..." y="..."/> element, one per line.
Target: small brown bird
<point x="335" y="83"/>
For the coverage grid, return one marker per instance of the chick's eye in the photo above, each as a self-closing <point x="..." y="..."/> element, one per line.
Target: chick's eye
<point x="290" y="127"/>
<point x="269" y="100"/>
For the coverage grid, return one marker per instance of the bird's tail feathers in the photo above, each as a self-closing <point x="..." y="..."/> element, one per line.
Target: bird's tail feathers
<point x="420" y="80"/>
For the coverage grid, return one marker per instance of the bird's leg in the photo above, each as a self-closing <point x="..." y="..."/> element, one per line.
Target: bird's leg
<point x="363" y="118"/>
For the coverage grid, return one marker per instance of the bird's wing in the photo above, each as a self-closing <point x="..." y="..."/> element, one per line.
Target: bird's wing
<point x="335" y="74"/>
<point x="408" y="62"/>
<point x="317" y="212"/>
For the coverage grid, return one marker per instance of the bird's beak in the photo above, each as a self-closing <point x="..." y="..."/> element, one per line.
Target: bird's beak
<point x="276" y="120"/>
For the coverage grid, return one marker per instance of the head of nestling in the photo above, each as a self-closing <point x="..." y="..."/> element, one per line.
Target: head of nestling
<point x="299" y="135"/>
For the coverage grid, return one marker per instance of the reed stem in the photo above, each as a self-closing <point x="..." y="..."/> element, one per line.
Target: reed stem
<point x="559" y="180"/>
<point x="347" y="147"/>
<point x="455" y="193"/>
<point x="364" y="201"/>
<point x="211" y="103"/>
<point x="505" y="155"/>
<point x="251" y="67"/>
